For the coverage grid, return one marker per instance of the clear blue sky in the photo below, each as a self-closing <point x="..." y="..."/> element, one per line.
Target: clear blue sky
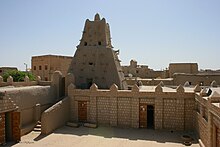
<point x="154" y="32"/>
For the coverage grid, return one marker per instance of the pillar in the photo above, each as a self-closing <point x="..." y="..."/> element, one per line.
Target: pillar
<point x="68" y="80"/>
<point x="158" y="121"/>
<point x="179" y="119"/>
<point x="57" y="83"/>
<point x="37" y="112"/>
<point x="113" y="105"/>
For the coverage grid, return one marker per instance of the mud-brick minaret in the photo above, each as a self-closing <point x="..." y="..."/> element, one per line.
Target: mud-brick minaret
<point x="95" y="61"/>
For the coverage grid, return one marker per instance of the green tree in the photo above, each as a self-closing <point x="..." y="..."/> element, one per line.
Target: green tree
<point x="18" y="76"/>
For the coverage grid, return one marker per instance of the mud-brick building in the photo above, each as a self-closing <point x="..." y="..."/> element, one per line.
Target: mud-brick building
<point x="45" y="65"/>
<point x="9" y="120"/>
<point x="95" y="61"/>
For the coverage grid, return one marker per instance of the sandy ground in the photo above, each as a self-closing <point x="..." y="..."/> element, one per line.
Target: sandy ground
<point x="104" y="137"/>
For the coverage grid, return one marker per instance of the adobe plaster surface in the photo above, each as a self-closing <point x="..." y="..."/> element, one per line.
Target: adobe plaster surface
<point x="105" y="136"/>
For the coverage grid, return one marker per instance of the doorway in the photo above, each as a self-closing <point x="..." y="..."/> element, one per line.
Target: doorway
<point x="82" y="111"/>
<point x="12" y="126"/>
<point x="8" y="127"/>
<point x="150" y="116"/>
<point x="143" y="116"/>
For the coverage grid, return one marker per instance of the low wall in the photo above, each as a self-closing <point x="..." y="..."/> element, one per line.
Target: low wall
<point x="202" y="128"/>
<point x="150" y="81"/>
<point x="207" y="121"/>
<point x="31" y="101"/>
<point x="16" y="84"/>
<point x="26" y="82"/>
<point x="55" y="117"/>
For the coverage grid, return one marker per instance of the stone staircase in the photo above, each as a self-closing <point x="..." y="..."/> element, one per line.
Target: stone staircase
<point x="37" y="128"/>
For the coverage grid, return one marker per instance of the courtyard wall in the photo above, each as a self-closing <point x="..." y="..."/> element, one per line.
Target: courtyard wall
<point x="115" y="107"/>
<point x="207" y="120"/>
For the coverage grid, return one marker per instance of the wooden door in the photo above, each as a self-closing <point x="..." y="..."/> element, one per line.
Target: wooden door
<point x="82" y="111"/>
<point x="16" y="131"/>
<point x="143" y="116"/>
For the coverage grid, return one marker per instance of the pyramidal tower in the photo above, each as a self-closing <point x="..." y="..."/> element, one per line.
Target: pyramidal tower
<point x="95" y="61"/>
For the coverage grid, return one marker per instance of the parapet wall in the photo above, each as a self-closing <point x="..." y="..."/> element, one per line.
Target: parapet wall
<point x="113" y="107"/>
<point x="26" y="82"/>
<point x="148" y="82"/>
<point x="207" y="121"/>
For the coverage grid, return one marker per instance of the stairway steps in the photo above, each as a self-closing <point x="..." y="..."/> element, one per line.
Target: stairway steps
<point x="37" y="128"/>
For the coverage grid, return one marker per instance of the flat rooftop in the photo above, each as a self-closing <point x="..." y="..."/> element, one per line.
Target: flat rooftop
<point x="12" y="88"/>
<point x="142" y="79"/>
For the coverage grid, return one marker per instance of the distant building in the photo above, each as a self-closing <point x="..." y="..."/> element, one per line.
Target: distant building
<point x="202" y="79"/>
<point x="142" y="71"/>
<point x="44" y="66"/>
<point x="190" y="68"/>
<point x="5" y="69"/>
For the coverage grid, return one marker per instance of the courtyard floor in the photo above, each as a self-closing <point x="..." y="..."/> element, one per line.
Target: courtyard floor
<point x="104" y="137"/>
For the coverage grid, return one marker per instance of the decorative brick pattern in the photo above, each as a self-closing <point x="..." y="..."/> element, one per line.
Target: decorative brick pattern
<point x="6" y="104"/>
<point x="149" y="101"/>
<point x="124" y="112"/>
<point x="158" y="113"/>
<point x="172" y="110"/>
<point x="135" y="112"/>
<point x="113" y="111"/>
<point x="169" y="113"/>
<point x="179" y="119"/>
<point x="2" y="128"/>
<point x="92" y="110"/>
<point x="188" y="114"/>
<point x="201" y="127"/>
<point x="103" y="110"/>
<point x="207" y="120"/>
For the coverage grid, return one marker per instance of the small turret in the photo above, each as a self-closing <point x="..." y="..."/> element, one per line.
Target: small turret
<point x="97" y="17"/>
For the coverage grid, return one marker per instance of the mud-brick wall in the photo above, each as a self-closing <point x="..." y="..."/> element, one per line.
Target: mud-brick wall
<point x="148" y="101"/>
<point x="124" y="112"/>
<point x="103" y="110"/>
<point x="121" y="107"/>
<point x="189" y="105"/>
<point x="202" y="128"/>
<point x="169" y="113"/>
<point x="2" y="128"/>
<point x="216" y="123"/>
